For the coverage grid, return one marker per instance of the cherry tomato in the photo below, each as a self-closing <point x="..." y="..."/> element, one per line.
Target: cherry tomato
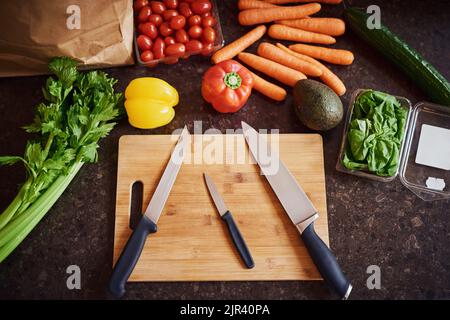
<point x="157" y="7"/>
<point x="195" y="20"/>
<point x="208" y="22"/>
<point x="158" y="48"/>
<point x="146" y="56"/>
<point x="178" y="22"/>
<point x="165" y="29"/>
<point x="144" y="42"/>
<point x="169" y="40"/>
<point x="171" y="4"/>
<point x="181" y="36"/>
<point x="206" y="14"/>
<point x="139" y="4"/>
<point x="169" y="14"/>
<point x="194" y="46"/>
<point x="209" y="35"/>
<point x="185" y="10"/>
<point x="201" y="6"/>
<point x="177" y="49"/>
<point x="156" y="19"/>
<point x="208" y="48"/>
<point x="149" y="29"/>
<point x="195" y="32"/>
<point x="141" y="28"/>
<point x="144" y="14"/>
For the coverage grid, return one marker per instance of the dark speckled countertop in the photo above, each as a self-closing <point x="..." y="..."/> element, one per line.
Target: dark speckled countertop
<point x="370" y="223"/>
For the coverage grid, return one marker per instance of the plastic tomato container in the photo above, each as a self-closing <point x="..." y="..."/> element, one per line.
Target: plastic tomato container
<point x="413" y="175"/>
<point x="218" y="43"/>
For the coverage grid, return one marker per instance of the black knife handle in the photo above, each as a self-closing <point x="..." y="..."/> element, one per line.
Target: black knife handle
<point x="326" y="262"/>
<point x="238" y="240"/>
<point x="130" y="256"/>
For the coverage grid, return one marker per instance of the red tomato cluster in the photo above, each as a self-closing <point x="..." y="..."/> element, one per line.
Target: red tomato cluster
<point x="174" y="28"/>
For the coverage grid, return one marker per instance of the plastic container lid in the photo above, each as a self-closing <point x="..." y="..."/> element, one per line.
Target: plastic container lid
<point x="425" y="180"/>
<point x="420" y="178"/>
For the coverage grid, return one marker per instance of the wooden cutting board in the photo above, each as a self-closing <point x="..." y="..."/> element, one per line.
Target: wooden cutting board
<point x="192" y="242"/>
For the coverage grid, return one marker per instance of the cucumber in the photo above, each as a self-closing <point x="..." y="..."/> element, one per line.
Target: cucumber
<point x="401" y="54"/>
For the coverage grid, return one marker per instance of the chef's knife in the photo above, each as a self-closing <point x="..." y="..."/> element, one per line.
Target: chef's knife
<point x="299" y="209"/>
<point x="147" y="224"/>
<point x="238" y="240"/>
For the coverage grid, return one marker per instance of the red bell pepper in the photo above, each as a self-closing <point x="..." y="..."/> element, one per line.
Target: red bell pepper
<point x="227" y="86"/>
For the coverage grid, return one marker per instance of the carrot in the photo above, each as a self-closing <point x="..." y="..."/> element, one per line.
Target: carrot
<point x="254" y="4"/>
<point x="271" y="52"/>
<point x="330" y="26"/>
<point x="297" y="1"/>
<point x="336" y="56"/>
<point x="257" y="16"/>
<point x="268" y="89"/>
<point x="281" y="32"/>
<point x="239" y="45"/>
<point x="328" y="77"/>
<point x="275" y="70"/>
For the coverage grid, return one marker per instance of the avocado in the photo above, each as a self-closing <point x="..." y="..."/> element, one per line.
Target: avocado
<point x="316" y="105"/>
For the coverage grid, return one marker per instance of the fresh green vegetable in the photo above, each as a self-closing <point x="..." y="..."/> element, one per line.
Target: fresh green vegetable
<point x="78" y="111"/>
<point x="375" y="134"/>
<point x="406" y="58"/>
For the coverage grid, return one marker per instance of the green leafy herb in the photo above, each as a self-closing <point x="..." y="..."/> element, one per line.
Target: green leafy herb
<point x="78" y="111"/>
<point x="375" y="134"/>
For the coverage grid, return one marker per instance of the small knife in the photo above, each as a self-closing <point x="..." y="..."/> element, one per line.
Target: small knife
<point x="238" y="240"/>
<point x="300" y="210"/>
<point x="132" y="251"/>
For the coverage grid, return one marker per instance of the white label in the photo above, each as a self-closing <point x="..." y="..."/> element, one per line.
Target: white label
<point x="434" y="147"/>
<point x="435" y="183"/>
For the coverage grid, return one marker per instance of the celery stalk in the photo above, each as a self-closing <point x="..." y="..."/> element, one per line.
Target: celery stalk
<point x="14" y="233"/>
<point x="39" y="208"/>
<point x="79" y="109"/>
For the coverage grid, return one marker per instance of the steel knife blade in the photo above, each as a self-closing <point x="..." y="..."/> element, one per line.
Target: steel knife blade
<point x="291" y="195"/>
<point x="132" y="251"/>
<point x="299" y="209"/>
<point x="159" y="198"/>
<point x="233" y="229"/>
<point x="215" y="195"/>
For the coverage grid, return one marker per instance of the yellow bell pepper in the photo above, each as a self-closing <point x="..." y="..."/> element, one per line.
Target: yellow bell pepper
<point x="149" y="102"/>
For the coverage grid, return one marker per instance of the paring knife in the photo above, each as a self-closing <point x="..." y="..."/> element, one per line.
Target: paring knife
<point x="238" y="240"/>
<point x="147" y="224"/>
<point x="300" y="210"/>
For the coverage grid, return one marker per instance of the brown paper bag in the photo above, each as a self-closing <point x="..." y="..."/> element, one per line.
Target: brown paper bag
<point x="97" y="33"/>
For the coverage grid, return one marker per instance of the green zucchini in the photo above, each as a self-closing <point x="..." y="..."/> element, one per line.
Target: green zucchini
<point x="406" y="58"/>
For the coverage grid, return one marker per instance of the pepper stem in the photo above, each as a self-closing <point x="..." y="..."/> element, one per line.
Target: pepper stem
<point x="232" y="80"/>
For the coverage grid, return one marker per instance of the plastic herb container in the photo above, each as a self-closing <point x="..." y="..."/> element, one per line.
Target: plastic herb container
<point x="412" y="174"/>
<point x="405" y="103"/>
<point x="218" y="43"/>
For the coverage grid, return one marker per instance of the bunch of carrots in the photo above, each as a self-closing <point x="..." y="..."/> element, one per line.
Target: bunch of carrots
<point x="288" y="64"/>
